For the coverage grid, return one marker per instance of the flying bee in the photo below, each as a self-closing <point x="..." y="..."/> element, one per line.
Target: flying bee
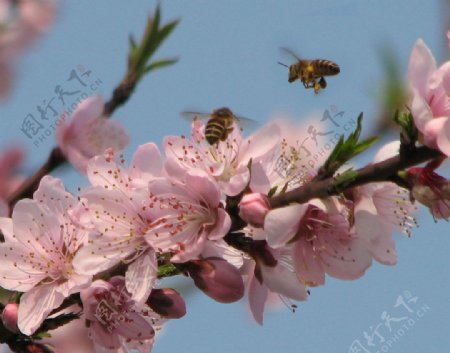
<point x="219" y="124"/>
<point x="311" y="72"/>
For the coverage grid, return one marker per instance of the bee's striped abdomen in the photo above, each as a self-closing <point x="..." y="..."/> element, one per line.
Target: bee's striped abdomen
<point x="215" y="130"/>
<point x="326" y="67"/>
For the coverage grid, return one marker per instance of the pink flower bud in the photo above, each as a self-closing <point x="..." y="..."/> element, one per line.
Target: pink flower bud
<point x="217" y="279"/>
<point x="9" y="317"/>
<point x="253" y="208"/>
<point x="431" y="190"/>
<point x="167" y="302"/>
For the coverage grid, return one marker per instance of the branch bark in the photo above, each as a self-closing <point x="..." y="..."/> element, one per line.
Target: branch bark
<point x="383" y="171"/>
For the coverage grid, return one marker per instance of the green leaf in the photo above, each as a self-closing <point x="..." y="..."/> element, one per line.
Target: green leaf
<point x="409" y="132"/>
<point x="345" y="150"/>
<point x="151" y="40"/>
<point x="362" y="146"/>
<point x="272" y="191"/>
<point x="132" y="42"/>
<point x="155" y="41"/>
<point x="159" y="64"/>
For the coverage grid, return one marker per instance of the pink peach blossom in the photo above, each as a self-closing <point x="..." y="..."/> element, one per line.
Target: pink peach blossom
<point x="379" y="209"/>
<point x="322" y="240"/>
<point x="290" y="164"/>
<point x="119" y="217"/>
<point x="429" y="103"/>
<point x="115" y="320"/>
<point x="36" y="257"/>
<point x="21" y="23"/>
<point x="89" y="133"/>
<point x="268" y="279"/>
<point x="227" y="161"/>
<point x="120" y="222"/>
<point x="186" y="215"/>
<point x="104" y="170"/>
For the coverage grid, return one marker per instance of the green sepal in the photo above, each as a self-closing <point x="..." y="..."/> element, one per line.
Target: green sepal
<point x="168" y="270"/>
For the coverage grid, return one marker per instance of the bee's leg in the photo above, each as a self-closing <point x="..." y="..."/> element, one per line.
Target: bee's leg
<point x="305" y="83"/>
<point x="322" y="82"/>
<point x="317" y="87"/>
<point x="309" y="83"/>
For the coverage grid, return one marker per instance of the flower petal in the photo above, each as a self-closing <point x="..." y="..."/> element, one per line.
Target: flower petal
<point x="16" y="274"/>
<point x="259" y="181"/>
<point x="347" y="261"/>
<point x="389" y="150"/>
<point x="103" y="338"/>
<point x="222" y="226"/>
<point x="307" y="265"/>
<point x="285" y="282"/>
<point x="375" y="233"/>
<point x="257" y="296"/>
<point x="141" y="276"/>
<point x="35" y="305"/>
<point x="135" y="327"/>
<point x="421" y="66"/>
<point x="443" y="137"/>
<point x="281" y="224"/>
<point x="202" y="187"/>
<point x="421" y="112"/>
<point x="147" y="163"/>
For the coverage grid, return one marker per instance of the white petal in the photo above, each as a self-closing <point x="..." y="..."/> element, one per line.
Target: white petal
<point x="147" y="163"/>
<point x="36" y="227"/>
<point x="223" y="224"/>
<point x="35" y="305"/>
<point x="257" y="296"/>
<point x="375" y="232"/>
<point x="421" y="112"/>
<point x="389" y="150"/>
<point x="141" y="276"/>
<point x="421" y="65"/>
<point x="6" y="226"/>
<point x="280" y="280"/>
<point x="281" y="224"/>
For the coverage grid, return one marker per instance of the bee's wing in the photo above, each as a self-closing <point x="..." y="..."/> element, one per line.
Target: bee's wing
<point x="195" y="115"/>
<point x="290" y="52"/>
<point x="246" y="122"/>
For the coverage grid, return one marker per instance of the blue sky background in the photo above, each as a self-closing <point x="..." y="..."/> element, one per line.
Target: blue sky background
<point x="228" y="57"/>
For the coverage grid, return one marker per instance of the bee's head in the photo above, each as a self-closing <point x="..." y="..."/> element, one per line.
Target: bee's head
<point x="223" y="113"/>
<point x="293" y="73"/>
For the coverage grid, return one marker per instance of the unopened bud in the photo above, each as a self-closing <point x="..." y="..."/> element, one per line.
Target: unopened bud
<point x="167" y="302"/>
<point x="217" y="279"/>
<point x="9" y="317"/>
<point x="253" y="209"/>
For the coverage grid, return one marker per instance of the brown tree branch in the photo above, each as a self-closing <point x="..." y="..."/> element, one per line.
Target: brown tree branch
<point x="29" y="186"/>
<point x="383" y="171"/>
